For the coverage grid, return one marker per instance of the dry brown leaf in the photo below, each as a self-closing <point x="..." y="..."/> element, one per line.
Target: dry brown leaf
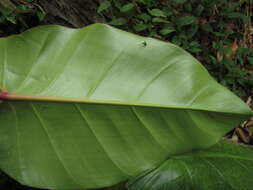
<point x="234" y="47"/>
<point x="243" y="135"/>
<point x="249" y="123"/>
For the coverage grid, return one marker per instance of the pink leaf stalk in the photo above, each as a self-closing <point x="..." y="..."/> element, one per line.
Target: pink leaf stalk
<point x="4" y="95"/>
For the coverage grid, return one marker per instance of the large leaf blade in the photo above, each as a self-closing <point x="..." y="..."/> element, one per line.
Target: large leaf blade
<point x="104" y="107"/>
<point x="118" y="67"/>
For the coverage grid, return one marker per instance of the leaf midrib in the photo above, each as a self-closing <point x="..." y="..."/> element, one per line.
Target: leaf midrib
<point x="27" y="97"/>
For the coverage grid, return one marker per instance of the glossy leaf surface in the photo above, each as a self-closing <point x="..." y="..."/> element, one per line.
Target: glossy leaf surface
<point x="92" y="107"/>
<point x="226" y="165"/>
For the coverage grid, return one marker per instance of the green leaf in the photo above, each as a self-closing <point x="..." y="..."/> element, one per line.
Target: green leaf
<point x="166" y="31"/>
<point x="159" y="20"/>
<point x="178" y="2"/>
<point x="200" y="8"/>
<point x="104" y="5"/>
<point x="228" y="32"/>
<point x="145" y="17"/>
<point x="92" y="107"/>
<point x="226" y="51"/>
<point x="195" y="50"/>
<point x="176" y="40"/>
<point x="192" y="31"/>
<point x="153" y="33"/>
<point x="188" y="7"/>
<point x="217" y="45"/>
<point x="118" y="22"/>
<point x="250" y="59"/>
<point x="245" y="51"/>
<point x="207" y="27"/>
<point x="11" y="18"/>
<point x="194" y="44"/>
<point x="140" y="27"/>
<point x="227" y="165"/>
<point x="219" y="34"/>
<point x="41" y="15"/>
<point x="23" y="8"/>
<point x="235" y="15"/>
<point x="6" y="11"/>
<point x="127" y="8"/>
<point x="186" y="20"/>
<point x="167" y="11"/>
<point x="118" y="4"/>
<point x="157" y="12"/>
<point x="231" y="6"/>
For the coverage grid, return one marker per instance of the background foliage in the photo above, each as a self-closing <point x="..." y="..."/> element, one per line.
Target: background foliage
<point x="218" y="32"/>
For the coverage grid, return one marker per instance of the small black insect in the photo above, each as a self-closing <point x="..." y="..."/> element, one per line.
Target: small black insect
<point x="144" y="43"/>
